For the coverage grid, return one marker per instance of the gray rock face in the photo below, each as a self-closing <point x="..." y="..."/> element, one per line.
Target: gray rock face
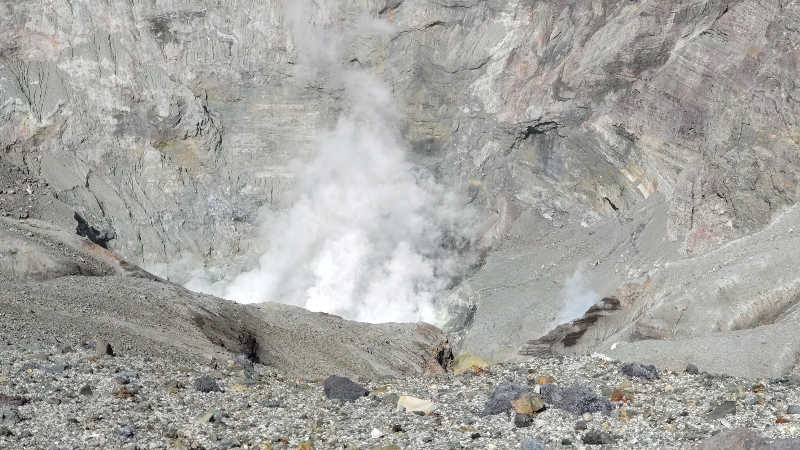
<point x="615" y="135"/>
<point x="743" y="326"/>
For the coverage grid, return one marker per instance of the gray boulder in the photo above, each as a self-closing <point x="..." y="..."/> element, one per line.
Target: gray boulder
<point x="501" y="398"/>
<point x="341" y="388"/>
<point x="576" y="399"/>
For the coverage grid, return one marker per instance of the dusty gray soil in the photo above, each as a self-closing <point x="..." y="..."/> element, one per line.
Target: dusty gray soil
<point x="69" y="397"/>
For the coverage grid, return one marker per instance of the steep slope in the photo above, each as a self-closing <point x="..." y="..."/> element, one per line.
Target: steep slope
<point x="65" y="290"/>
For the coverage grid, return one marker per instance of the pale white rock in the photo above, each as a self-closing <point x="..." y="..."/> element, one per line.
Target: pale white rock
<point x="415" y="405"/>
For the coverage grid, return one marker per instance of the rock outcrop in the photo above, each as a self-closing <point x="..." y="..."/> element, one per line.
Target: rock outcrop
<point x="61" y="289"/>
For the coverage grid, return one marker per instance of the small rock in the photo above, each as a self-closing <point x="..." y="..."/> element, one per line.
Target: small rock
<point x="467" y="361"/>
<point x="523" y="420"/>
<point x="598" y="438"/>
<point x="737" y="391"/>
<point x="125" y="391"/>
<point x="210" y="417"/>
<point x="86" y="390"/>
<point x="341" y="388"/>
<point x="636" y="370"/>
<point x="9" y="416"/>
<point x="530" y="443"/>
<point x="415" y="405"/>
<point x="725" y="408"/>
<point x="31" y="366"/>
<point x="228" y="444"/>
<point x="376" y="433"/>
<point x="206" y="384"/>
<point x="791" y="380"/>
<point x="272" y="403"/>
<point x="786" y="444"/>
<point x="793" y="409"/>
<point x="56" y="369"/>
<point x="581" y="425"/>
<point x="173" y="386"/>
<point x="125" y="377"/>
<point x="305" y="446"/>
<point x="621" y="396"/>
<point x="474" y="436"/>
<point x="501" y="398"/>
<point x="5" y="432"/>
<point x="390" y="399"/>
<point x="64" y="349"/>
<point x="12" y="400"/>
<point x="397" y="428"/>
<point x="103" y="348"/>
<point x="171" y="432"/>
<point x="127" y="432"/>
<point x="545" y="379"/>
<point x="528" y="404"/>
<point x="577" y="399"/>
<point x="740" y="439"/>
<point x="143" y="407"/>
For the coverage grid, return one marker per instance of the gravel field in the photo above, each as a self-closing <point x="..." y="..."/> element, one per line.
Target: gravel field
<point x="81" y="397"/>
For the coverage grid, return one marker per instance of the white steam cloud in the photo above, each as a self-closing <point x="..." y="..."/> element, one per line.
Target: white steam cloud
<point x="370" y="237"/>
<point x="578" y="298"/>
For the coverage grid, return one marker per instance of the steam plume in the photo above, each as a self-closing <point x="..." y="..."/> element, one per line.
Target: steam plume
<point x="578" y="297"/>
<point x="370" y="237"/>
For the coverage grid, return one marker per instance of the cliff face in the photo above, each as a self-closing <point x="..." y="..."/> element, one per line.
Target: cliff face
<point x="616" y="134"/>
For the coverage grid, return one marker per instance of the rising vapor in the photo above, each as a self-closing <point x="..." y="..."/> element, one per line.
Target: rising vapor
<point x="371" y="237"/>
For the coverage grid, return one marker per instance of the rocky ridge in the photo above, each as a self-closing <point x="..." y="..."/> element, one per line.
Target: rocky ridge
<point x="57" y="287"/>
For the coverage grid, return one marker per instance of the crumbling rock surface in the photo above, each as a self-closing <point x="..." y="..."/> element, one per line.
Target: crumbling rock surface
<point x="621" y="137"/>
<point x="732" y="310"/>
<point x="109" y="301"/>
